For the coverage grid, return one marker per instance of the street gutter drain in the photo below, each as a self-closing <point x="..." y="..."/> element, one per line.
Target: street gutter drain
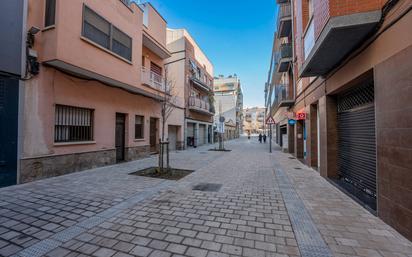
<point x="297" y="168"/>
<point x="207" y="187"/>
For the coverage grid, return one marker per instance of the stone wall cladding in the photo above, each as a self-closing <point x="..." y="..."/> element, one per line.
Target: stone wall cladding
<point x="138" y="152"/>
<point x="45" y="167"/>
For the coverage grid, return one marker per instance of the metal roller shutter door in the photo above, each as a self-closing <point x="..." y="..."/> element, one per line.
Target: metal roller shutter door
<point x="357" y="140"/>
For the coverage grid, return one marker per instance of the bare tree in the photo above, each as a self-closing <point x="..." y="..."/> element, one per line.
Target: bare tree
<point x="168" y="104"/>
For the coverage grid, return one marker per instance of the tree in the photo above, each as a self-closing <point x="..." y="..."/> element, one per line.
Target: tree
<point x="168" y="104"/>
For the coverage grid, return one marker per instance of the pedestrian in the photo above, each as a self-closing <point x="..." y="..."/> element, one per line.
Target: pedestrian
<point x="264" y="138"/>
<point x="248" y="135"/>
<point x="260" y="138"/>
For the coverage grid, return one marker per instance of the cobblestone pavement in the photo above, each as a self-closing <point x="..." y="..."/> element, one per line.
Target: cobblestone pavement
<point x="107" y="212"/>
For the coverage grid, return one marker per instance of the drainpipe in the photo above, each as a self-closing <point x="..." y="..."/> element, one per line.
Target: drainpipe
<point x="293" y="47"/>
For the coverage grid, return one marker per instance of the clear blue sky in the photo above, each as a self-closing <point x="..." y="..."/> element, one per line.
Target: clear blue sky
<point x="236" y="35"/>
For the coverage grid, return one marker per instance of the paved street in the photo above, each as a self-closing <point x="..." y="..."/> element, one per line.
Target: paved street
<point x="264" y="207"/>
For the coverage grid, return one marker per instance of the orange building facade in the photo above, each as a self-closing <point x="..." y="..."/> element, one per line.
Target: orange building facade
<point x="96" y="99"/>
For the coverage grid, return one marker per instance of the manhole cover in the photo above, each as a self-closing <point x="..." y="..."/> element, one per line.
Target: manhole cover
<point x="207" y="187"/>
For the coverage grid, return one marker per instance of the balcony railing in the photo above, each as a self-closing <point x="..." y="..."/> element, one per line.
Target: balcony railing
<point x="286" y="50"/>
<point x="284" y="20"/>
<point x="282" y="96"/>
<point x="199" y="105"/>
<point x="284" y="57"/>
<point x="153" y="80"/>
<point x="200" y="82"/>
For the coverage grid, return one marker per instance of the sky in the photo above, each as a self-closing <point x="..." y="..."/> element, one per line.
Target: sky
<point x="236" y="35"/>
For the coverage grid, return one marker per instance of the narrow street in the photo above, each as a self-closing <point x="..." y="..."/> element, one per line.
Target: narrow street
<point x="259" y="204"/>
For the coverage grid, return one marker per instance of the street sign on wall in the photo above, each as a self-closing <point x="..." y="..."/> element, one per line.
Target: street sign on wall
<point x="270" y="121"/>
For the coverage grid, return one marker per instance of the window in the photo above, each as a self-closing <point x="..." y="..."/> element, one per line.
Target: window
<point x="103" y="33"/>
<point x="73" y="124"/>
<point x="50" y="13"/>
<point x="139" y="127"/>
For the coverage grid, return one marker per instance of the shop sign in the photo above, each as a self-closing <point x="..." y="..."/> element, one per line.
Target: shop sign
<point x="292" y="122"/>
<point x="301" y="116"/>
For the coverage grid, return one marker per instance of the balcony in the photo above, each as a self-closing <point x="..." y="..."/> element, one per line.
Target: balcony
<point x="338" y="38"/>
<point x="199" y="105"/>
<point x="285" y="57"/>
<point x="283" y="98"/>
<point x="153" y="80"/>
<point x="284" y="20"/>
<point x="199" y="83"/>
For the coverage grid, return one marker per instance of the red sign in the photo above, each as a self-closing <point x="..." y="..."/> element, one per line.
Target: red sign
<point x="270" y="121"/>
<point x="301" y="116"/>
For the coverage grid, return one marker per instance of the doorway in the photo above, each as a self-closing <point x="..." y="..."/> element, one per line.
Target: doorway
<point x="153" y="135"/>
<point x="172" y="137"/>
<point x="120" y="136"/>
<point x="9" y="106"/>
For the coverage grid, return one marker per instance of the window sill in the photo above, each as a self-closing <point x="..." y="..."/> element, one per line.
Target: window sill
<point x="75" y="143"/>
<point x="139" y="140"/>
<point x="48" y="28"/>
<point x="106" y="50"/>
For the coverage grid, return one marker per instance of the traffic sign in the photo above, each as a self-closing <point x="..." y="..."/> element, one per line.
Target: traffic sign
<point x="292" y="122"/>
<point x="270" y="121"/>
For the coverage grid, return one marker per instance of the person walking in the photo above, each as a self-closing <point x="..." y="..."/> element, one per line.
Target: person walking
<point x="264" y="138"/>
<point x="248" y="135"/>
<point x="260" y="138"/>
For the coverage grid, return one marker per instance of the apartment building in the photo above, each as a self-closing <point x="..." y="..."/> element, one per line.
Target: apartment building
<point x="351" y="96"/>
<point x="254" y="120"/>
<point x="229" y="104"/>
<point x="92" y="94"/>
<point x="191" y="74"/>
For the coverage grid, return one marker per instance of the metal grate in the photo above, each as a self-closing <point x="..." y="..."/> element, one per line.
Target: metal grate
<point x="357" y="141"/>
<point x="356" y="97"/>
<point x="73" y="124"/>
<point x="207" y="187"/>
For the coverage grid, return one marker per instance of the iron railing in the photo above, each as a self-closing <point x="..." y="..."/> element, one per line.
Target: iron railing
<point x="153" y="80"/>
<point x="199" y="104"/>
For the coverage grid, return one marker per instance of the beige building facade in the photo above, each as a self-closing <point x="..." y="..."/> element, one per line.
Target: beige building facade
<point x="191" y="73"/>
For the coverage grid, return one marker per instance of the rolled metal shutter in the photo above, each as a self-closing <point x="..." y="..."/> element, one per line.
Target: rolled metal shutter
<point x="356" y="138"/>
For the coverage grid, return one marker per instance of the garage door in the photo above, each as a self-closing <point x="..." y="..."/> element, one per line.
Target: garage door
<point x="172" y="137"/>
<point x="356" y="139"/>
<point x="202" y="134"/>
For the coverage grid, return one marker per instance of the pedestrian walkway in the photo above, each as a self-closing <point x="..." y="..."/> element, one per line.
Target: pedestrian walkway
<point x="250" y="210"/>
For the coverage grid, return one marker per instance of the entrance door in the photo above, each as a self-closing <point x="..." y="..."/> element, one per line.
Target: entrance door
<point x="202" y="134"/>
<point x="357" y="143"/>
<point x="9" y="98"/>
<point x="172" y="137"/>
<point x="120" y="136"/>
<point x="153" y="135"/>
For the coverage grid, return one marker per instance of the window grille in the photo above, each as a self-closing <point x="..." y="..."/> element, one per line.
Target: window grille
<point x="73" y="124"/>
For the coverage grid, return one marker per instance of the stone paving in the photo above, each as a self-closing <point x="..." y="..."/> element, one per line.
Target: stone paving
<point x="107" y="212"/>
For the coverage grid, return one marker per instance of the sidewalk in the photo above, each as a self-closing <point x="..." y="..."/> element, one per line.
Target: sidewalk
<point x="106" y="212"/>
